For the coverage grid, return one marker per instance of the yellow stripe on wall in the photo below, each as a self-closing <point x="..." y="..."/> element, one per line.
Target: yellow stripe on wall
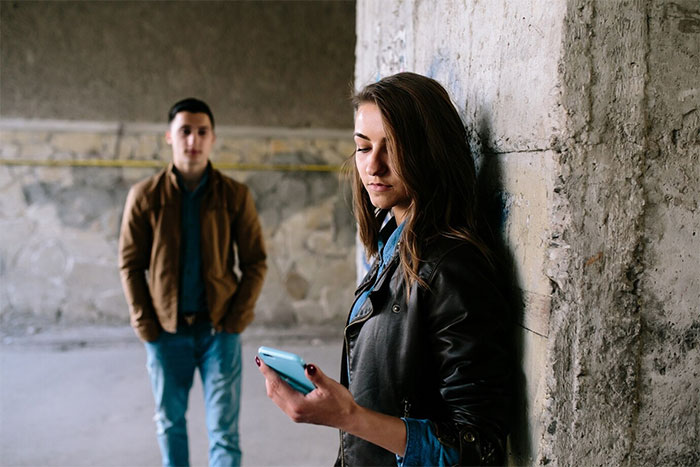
<point x="159" y="164"/>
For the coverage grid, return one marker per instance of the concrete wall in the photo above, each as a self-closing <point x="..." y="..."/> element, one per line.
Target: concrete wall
<point x="272" y="63"/>
<point x="498" y="61"/>
<point x="59" y="223"/>
<point x="623" y="380"/>
<point x="84" y="92"/>
<point x="669" y="289"/>
<point x="584" y="116"/>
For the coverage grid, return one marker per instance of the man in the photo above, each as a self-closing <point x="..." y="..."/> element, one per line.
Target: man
<point x="181" y="233"/>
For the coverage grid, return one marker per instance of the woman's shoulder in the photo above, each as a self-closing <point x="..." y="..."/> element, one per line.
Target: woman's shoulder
<point x="461" y="272"/>
<point x="454" y="253"/>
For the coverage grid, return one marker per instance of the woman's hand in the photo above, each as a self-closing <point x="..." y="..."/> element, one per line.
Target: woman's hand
<point x="330" y="404"/>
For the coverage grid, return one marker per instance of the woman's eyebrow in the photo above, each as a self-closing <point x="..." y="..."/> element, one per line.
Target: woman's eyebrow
<point x="361" y="136"/>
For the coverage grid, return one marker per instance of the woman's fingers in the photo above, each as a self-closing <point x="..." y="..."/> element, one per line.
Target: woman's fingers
<point x="315" y="375"/>
<point x="329" y="404"/>
<point x="277" y="389"/>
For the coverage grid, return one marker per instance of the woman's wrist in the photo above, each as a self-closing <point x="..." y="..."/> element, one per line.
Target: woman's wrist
<point x="383" y="430"/>
<point x="352" y="420"/>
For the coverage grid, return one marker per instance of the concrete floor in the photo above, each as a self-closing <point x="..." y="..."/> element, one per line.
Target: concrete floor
<point x="81" y="397"/>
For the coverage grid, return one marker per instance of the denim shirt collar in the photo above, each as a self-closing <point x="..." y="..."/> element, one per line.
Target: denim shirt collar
<point x="389" y="238"/>
<point x="387" y="246"/>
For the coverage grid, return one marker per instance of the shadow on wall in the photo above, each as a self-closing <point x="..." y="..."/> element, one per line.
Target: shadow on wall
<point x="493" y="208"/>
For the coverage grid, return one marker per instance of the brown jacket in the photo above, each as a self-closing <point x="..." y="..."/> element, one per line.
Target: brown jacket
<point x="149" y="253"/>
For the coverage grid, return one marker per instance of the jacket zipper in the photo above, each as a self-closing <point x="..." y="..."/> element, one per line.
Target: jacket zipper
<point x="347" y="346"/>
<point x="345" y="338"/>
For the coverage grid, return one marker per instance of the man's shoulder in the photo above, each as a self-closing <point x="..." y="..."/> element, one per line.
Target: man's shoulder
<point x="228" y="184"/>
<point x="227" y="181"/>
<point x="144" y="190"/>
<point x="149" y="183"/>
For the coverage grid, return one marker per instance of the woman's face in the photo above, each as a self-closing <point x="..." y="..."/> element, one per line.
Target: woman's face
<point x="385" y="189"/>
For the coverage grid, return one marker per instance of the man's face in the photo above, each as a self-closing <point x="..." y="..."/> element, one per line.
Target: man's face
<point x="191" y="137"/>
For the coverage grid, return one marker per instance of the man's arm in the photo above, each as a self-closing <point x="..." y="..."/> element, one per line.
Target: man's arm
<point x="251" y="261"/>
<point x="135" y="241"/>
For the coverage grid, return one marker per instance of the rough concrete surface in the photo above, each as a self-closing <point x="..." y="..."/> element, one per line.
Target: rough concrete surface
<point x="610" y="399"/>
<point x="603" y="235"/>
<point x="272" y="63"/>
<point x="81" y="397"/>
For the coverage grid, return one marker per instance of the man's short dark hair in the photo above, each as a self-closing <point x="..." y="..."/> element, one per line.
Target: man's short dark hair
<point x="190" y="105"/>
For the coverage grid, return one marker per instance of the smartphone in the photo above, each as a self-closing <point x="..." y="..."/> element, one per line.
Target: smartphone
<point x="289" y="366"/>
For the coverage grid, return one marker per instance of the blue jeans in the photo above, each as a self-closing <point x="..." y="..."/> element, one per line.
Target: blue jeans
<point x="172" y="360"/>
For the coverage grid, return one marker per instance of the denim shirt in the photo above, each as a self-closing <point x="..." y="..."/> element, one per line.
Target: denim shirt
<point x="386" y="251"/>
<point x="191" y="297"/>
<point x="422" y="444"/>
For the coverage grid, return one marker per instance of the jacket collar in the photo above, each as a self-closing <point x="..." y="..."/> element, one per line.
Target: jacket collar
<point x="173" y="175"/>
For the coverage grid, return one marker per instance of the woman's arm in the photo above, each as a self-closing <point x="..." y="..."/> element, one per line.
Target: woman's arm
<point x="331" y="404"/>
<point x="469" y="331"/>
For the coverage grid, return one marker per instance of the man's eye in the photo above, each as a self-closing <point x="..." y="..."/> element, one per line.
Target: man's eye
<point x="202" y="132"/>
<point x="186" y="131"/>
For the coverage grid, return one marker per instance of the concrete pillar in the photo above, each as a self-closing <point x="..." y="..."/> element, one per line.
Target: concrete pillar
<point x="585" y="119"/>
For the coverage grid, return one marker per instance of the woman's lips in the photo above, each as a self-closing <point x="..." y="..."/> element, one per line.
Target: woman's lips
<point x="378" y="187"/>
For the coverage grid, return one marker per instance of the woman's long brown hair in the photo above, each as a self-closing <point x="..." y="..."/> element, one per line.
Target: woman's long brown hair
<point x="428" y="149"/>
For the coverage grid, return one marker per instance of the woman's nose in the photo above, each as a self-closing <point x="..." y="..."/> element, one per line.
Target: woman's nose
<point x="376" y="164"/>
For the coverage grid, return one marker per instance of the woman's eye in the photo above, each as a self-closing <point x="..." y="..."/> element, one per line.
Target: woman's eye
<point x="362" y="149"/>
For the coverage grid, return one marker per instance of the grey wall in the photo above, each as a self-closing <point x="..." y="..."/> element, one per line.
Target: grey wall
<point x="624" y="354"/>
<point x="585" y="116"/>
<point x="272" y="63"/>
<point x="84" y="92"/>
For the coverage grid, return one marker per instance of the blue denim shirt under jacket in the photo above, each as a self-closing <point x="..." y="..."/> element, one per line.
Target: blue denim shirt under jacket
<point x="191" y="296"/>
<point x="422" y="445"/>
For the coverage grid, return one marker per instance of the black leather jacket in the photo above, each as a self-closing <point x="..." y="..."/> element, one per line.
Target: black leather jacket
<point x="440" y="355"/>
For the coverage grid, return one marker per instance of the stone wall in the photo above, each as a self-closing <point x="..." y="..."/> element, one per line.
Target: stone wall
<point x="584" y="118"/>
<point x="62" y="189"/>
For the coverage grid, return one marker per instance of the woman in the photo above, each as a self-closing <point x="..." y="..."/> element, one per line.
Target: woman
<point x="425" y="376"/>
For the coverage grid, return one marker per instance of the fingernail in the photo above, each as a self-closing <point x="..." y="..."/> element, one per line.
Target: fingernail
<point x="311" y="369"/>
<point x="257" y="360"/>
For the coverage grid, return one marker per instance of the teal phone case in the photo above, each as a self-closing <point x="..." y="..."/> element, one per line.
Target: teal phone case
<point x="289" y="366"/>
